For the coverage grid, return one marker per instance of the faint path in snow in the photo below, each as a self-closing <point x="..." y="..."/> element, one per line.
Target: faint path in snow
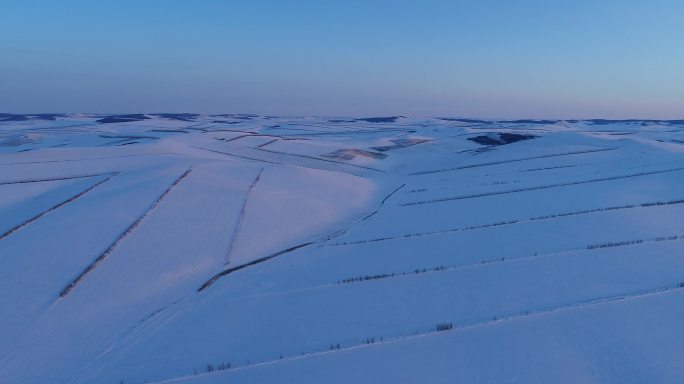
<point x="123" y="235"/>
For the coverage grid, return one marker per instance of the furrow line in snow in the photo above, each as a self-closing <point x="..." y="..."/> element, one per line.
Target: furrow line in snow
<point x="512" y="161"/>
<point x="241" y="216"/>
<point x="509" y="222"/>
<point x="59" y="205"/>
<point x="121" y="237"/>
<point x="528" y="189"/>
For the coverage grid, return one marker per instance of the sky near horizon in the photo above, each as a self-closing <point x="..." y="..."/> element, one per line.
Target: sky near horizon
<point x="477" y="58"/>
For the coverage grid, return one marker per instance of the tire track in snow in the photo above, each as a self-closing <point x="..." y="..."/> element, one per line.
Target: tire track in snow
<point x="512" y="161"/>
<point x="527" y="189"/>
<point x="121" y="237"/>
<point x="241" y="216"/>
<point x="57" y="206"/>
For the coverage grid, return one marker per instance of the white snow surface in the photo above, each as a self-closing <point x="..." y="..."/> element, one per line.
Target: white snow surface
<point x="253" y="249"/>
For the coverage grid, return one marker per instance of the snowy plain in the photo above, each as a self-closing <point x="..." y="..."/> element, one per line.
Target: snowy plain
<point x="182" y="248"/>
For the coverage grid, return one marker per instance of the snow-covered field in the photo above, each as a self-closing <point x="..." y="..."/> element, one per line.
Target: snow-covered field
<point x="251" y="249"/>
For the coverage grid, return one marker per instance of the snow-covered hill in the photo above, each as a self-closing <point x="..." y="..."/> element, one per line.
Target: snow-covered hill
<point x="250" y="249"/>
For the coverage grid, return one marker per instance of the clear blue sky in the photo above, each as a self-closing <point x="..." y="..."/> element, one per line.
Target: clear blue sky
<point x="479" y="58"/>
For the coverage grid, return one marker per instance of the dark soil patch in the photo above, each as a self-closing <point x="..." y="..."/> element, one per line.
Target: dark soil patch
<point x="122" y="118"/>
<point x="400" y="143"/>
<point x="389" y="119"/>
<point x="12" y="117"/>
<point x="500" y="138"/>
<point x="178" y="116"/>
<point x="350" y="154"/>
<point x="37" y="116"/>
<point x="540" y="122"/>
<point x="468" y="121"/>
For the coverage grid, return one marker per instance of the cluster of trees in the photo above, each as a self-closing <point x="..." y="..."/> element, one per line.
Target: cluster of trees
<point x="444" y="327"/>
<point x="220" y="367"/>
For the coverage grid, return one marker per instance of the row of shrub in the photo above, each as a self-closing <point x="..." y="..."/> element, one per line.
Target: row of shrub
<point x="387" y="275"/>
<point x="516" y="221"/>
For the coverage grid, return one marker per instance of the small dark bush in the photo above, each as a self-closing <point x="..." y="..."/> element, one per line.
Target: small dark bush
<point x="444" y="327"/>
